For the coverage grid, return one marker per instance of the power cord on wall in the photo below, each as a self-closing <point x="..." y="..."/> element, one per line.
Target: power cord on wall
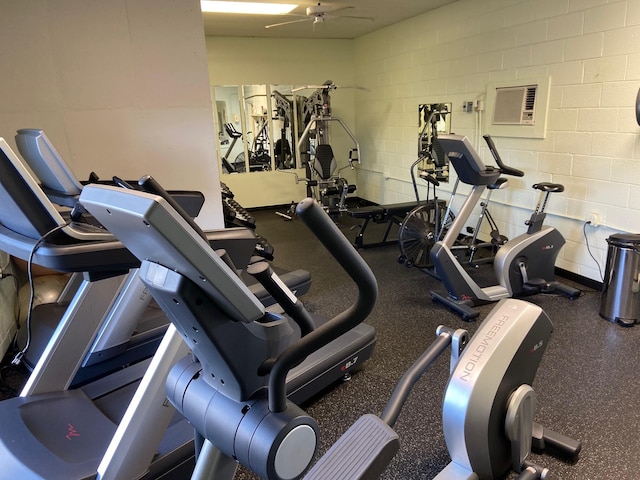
<point x="586" y="239"/>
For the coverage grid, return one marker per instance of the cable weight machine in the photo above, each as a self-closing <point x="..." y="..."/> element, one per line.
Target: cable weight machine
<point x="322" y="174"/>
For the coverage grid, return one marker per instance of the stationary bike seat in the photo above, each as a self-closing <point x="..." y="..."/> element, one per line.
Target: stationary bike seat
<point x="549" y="187"/>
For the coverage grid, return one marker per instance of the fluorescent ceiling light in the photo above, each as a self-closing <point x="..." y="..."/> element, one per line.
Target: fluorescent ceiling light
<point x="246" y="7"/>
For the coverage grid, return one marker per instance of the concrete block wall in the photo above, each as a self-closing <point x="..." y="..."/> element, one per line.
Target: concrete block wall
<point x="591" y="51"/>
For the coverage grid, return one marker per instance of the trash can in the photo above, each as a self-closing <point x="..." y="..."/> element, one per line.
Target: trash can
<point x="621" y="286"/>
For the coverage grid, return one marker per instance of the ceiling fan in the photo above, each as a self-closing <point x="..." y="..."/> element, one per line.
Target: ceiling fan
<point x="318" y="14"/>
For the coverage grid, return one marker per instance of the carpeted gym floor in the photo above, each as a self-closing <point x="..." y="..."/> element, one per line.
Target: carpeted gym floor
<point x="587" y="386"/>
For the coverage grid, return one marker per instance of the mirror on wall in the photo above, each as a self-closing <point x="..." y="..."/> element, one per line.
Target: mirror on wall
<point x="433" y="118"/>
<point x="259" y="127"/>
<point x="231" y="149"/>
<point x="284" y="126"/>
<point x="256" y="126"/>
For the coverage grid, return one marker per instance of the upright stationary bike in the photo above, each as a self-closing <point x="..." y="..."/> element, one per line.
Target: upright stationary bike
<point x="523" y="265"/>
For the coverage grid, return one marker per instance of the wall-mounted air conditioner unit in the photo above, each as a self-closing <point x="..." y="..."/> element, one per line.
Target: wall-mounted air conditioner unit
<point x="518" y="108"/>
<point x="515" y="105"/>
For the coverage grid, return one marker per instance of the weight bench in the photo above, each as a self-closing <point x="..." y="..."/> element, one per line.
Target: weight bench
<point x="391" y="215"/>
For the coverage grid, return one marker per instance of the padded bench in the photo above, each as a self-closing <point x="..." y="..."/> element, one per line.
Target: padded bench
<point x="390" y="215"/>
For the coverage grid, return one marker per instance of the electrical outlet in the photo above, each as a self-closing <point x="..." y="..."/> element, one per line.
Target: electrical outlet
<point x="595" y="219"/>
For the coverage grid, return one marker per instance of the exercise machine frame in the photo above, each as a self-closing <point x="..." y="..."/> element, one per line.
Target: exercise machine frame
<point x="523" y="266"/>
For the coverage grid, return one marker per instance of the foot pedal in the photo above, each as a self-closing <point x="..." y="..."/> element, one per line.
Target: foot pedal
<point x="363" y="452"/>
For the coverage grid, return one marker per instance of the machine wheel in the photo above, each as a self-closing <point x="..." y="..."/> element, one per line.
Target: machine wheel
<point x="417" y="236"/>
<point x="238" y="163"/>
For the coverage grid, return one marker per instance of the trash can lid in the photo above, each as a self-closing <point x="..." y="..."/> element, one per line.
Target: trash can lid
<point x="630" y="240"/>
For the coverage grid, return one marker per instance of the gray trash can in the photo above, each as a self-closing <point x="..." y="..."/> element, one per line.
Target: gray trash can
<point x="621" y="287"/>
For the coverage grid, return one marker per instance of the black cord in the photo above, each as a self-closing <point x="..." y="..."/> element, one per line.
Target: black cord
<point x="32" y="291"/>
<point x="586" y="239"/>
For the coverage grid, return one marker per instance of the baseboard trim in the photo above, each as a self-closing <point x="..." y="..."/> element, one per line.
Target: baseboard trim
<point x="574" y="277"/>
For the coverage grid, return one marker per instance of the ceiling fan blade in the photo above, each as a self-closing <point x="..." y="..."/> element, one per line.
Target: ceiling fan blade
<point x="329" y="86"/>
<point x="337" y="10"/>
<point x="353" y="86"/>
<point x="289" y="22"/>
<point x="354" y="18"/>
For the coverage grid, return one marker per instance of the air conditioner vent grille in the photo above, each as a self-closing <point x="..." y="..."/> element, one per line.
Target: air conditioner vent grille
<point x="530" y="98"/>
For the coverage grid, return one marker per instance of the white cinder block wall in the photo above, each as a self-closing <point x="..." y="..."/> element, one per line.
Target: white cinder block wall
<point x="591" y="51"/>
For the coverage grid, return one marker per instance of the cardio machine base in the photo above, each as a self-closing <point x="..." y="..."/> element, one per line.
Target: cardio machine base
<point x="524" y="266"/>
<point x="49" y="423"/>
<point x="462" y="307"/>
<point x="465" y="307"/>
<point x="64" y="435"/>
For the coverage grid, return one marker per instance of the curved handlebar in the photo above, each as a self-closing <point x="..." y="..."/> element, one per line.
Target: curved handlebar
<point x="503" y="168"/>
<point x="351" y="261"/>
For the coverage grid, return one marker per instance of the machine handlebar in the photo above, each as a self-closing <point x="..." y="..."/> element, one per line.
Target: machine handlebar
<point x="348" y="257"/>
<point x="507" y="170"/>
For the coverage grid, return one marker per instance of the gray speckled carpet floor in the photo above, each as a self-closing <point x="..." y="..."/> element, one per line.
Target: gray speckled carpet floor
<point x="587" y="385"/>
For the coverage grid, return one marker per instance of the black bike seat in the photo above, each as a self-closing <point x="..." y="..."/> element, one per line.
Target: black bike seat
<point x="549" y="187"/>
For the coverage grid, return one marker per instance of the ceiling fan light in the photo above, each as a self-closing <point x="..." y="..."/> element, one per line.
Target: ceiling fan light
<point x="252" y="8"/>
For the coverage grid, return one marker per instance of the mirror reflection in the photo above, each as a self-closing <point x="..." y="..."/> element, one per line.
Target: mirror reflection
<point x="433" y="118"/>
<point x="257" y="131"/>
<point x="284" y="111"/>
<point x="257" y="127"/>
<point x="229" y="128"/>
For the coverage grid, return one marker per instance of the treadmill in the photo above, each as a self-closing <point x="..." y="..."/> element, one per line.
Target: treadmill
<point x="132" y="329"/>
<point x="122" y="421"/>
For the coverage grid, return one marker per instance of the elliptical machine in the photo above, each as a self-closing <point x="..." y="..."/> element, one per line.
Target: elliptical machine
<point x="523" y="266"/>
<point x="488" y="405"/>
